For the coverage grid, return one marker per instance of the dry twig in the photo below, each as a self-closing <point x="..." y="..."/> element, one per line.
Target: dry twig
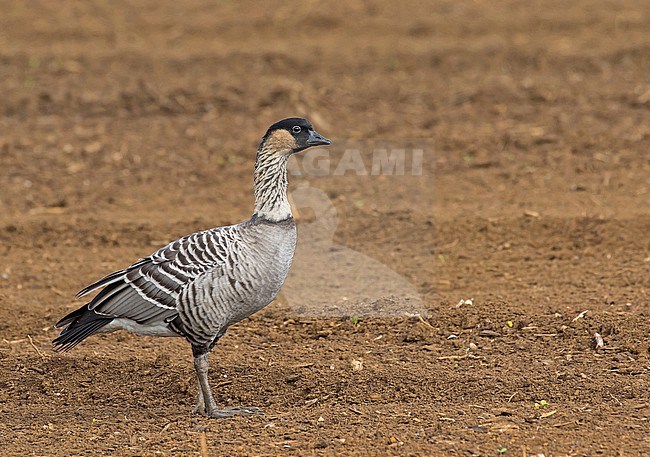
<point x="204" y="445"/>
<point x="459" y="357"/>
<point x="35" y="348"/>
<point x="580" y="316"/>
<point x="425" y="322"/>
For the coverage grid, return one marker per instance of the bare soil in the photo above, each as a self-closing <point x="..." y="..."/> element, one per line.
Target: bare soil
<point x="125" y="125"/>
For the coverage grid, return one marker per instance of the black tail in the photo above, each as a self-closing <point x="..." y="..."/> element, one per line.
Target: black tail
<point x="81" y="323"/>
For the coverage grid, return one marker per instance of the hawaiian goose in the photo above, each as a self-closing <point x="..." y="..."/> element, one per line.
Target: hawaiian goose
<point x="199" y="285"/>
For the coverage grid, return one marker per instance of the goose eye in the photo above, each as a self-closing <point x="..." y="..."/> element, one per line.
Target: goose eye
<point x="296" y="129"/>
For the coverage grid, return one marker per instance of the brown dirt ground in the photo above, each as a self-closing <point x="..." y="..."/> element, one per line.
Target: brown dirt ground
<point x="125" y="125"/>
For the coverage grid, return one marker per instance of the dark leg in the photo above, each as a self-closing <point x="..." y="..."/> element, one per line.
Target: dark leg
<point x="202" y="366"/>
<point x="200" y="403"/>
<point x="206" y="404"/>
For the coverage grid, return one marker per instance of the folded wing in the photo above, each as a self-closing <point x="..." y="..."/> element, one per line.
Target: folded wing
<point x="147" y="291"/>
